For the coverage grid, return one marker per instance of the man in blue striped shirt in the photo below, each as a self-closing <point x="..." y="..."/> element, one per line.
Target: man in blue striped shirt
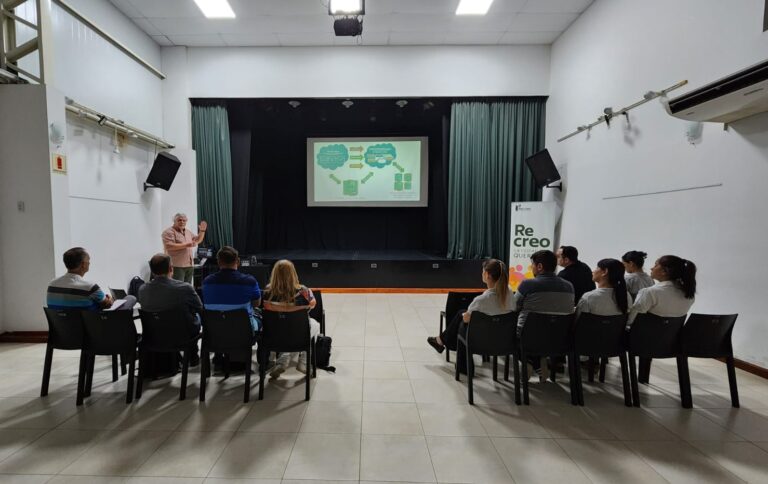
<point x="71" y="291"/>
<point x="229" y="289"/>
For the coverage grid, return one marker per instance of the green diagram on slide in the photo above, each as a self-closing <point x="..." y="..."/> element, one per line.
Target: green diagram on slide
<point x="367" y="171"/>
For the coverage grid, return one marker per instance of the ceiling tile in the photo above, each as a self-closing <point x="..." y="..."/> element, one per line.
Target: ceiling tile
<point x="416" y="38"/>
<point x="431" y="7"/>
<point x="378" y="6"/>
<point x="506" y="6"/>
<point x="529" y="37"/>
<point x="473" y="38"/>
<point x="255" y="39"/>
<point x="368" y="38"/>
<point x="377" y="23"/>
<point x="249" y="8"/>
<point x="168" y="8"/>
<point x="307" y="38"/>
<point x="300" y="23"/>
<point x="419" y="23"/>
<point x="127" y="8"/>
<point x="162" y="40"/>
<point x="556" y="6"/>
<point x="542" y="22"/>
<point x="146" y="26"/>
<point x="481" y="23"/>
<point x="204" y="40"/>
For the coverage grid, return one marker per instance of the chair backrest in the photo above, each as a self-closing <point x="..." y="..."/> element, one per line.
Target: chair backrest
<point x="317" y="312"/>
<point x="654" y="336"/>
<point x="492" y="335"/>
<point x="708" y="335"/>
<point x="165" y="330"/>
<point x="600" y="335"/>
<point x="458" y="301"/>
<point x="109" y="332"/>
<point x="65" y="328"/>
<point x="226" y="331"/>
<point x="285" y="331"/>
<point x="547" y="334"/>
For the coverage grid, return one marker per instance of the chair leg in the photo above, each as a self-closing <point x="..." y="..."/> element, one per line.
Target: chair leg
<point x="603" y="364"/>
<point x="248" y="364"/>
<point x="131" y="376"/>
<point x="506" y="368"/>
<point x="184" y="372"/>
<point x="732" y="381"/>
<point x="89" y="375"/>
<point x="314" y="359"/>
<point x="684" y="380"/>
<point x="226" y="366"/>
<point x="572" y="382"/>
<point x="123" y="365"/>
<point x="204" y="362"/>
<point x="81" y="378"/>
<point x="644" y="371"/>
<point x="524" y="365"/>
<point x="456" y="375"/>
<point x="625" y="380"/>
<point x="553" y="370"/>
<point x="142" y="371"/>
<point x="633" y="381"/>
<point x="470" y="375"/>
<point x="495" y="368"/>
<point x="516" y="376"/>
<point x="114" y="367"/>
<point x="577" y="376"/>
<point x="591" y="369"/>
<point x="309" y="374"/>
<point x="47" y="370"/>
<point x="262" y="357"/>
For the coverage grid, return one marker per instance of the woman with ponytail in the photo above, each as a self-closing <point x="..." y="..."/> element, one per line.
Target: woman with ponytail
<point x="611" y="297"/>
<point x="494" y="301"/>
<point x="636" y="278"/>
<point x="674" y="293"/>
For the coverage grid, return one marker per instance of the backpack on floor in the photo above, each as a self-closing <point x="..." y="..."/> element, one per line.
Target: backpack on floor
<point x="323" y="353"/>
<point x="135" y="284"/>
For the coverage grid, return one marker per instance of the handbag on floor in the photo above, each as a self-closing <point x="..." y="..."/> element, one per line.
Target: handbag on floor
<point x="323" y="353"/>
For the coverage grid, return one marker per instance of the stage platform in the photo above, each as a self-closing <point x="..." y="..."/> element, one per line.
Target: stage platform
<point x="376" y="269"/>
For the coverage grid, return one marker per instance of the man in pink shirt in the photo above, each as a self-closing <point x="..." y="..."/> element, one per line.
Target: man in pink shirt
<point x="179" y="243"/>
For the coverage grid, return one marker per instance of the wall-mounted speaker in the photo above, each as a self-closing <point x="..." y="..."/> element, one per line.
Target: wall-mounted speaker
<point x="163" y="171"/>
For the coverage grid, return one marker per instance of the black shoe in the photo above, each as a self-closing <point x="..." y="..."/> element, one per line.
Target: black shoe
<point x="433" y="343"/>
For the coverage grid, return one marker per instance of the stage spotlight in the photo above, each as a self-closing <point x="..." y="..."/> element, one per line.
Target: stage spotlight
<point x="428" y="105"/>
<point x="294" y="104"/>
<point x="347" y="104"/>
<point x="401" y="103"/>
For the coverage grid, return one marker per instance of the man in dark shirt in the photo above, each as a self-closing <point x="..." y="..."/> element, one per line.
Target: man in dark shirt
<point x="574" y="271"/>
<point x="164" y="293"/>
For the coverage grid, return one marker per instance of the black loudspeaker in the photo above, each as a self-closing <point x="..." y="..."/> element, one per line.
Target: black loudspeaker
<point x="163" y="171"/>
<point x="543" y="169"/>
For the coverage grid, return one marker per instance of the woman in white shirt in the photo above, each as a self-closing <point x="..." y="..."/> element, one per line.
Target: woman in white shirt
<point x="611" y="297"/>
<point x="674" y="293"/>
<point x="635" y="277"/>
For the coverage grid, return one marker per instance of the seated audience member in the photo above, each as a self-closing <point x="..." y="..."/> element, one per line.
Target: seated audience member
<point x="574" y="271"/>
<point x="71" y="291"/>
<point x="546" y="293"/>
<point x="163" y="293"/>
<point x="229" y="289"/>
<point x="284" y="293"/>
<point x="495" y="300"/>
<point x="635" y="277"/>
<point x="611" y="297"/>
<point x="674" y="293"/>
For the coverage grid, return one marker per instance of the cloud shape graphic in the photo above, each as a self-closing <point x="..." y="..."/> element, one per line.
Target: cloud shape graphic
<point x="381" y="155"/>
<point x="332" y="156"/>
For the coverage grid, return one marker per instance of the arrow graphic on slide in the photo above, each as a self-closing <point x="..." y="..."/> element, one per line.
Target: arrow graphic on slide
<point x="355" y="148"/>
<point x="355" y="165"/>
<point x="399" y="168"/>
<point x="356" y="157"/>
<point x="333" y="177"/>
<point x="367" y="177"/>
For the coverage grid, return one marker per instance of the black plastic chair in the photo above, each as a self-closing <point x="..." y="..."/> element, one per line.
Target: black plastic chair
<point x="227" y="332"/>
<point x="318" y="313"/>
<point x="709" y="336"/>
<point x="601" y="337"/>
<point x="166" y="332"/>
<point x="285" y="332"/>
<point x="545" y="335"/>
<point x="653" y="336"/>
<point x="65" y="332"/>
<point x="109" y="333"/>
<point x="488" y="336"/>
<point x="456" y="302"/>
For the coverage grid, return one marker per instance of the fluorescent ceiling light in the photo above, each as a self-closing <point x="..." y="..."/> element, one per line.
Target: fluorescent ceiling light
<point x="215" y="8"/>
<point x="473" y="7"/>
<point x="346" y="7"/>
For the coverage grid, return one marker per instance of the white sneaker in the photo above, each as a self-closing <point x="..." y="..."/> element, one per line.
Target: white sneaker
<point x="301" y="367"/>
<point x="277" y="371"/>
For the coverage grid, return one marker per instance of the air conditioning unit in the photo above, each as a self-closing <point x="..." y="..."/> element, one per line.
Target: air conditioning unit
<point x="731" y="98"/>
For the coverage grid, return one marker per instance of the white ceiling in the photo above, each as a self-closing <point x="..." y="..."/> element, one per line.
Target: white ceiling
<point x="386" y="22"/>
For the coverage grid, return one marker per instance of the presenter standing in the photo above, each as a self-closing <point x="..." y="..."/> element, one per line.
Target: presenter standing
<point x="179" y="243"/>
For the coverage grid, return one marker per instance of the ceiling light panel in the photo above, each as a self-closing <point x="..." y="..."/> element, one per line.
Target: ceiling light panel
<point x="473" y="7"/>
<point x="346" y="7"/>
<point x="215" y="8"/>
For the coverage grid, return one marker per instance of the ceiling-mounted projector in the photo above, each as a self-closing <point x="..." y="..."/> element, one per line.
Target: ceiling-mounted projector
<point x="348" y="26"/>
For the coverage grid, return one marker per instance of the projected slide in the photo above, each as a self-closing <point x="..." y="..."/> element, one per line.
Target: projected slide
<point x="381" y="172"/>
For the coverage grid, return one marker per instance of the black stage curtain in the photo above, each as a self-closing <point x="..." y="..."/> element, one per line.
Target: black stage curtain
<point x="269" y="151"/>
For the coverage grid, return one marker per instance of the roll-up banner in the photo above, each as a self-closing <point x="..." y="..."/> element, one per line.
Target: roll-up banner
<point x="532" y="229"/>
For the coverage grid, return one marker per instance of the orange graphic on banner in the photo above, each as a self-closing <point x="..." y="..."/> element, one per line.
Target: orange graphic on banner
<point x="516" y="275"/>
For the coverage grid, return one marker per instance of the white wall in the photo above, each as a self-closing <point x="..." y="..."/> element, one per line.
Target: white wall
<point x="26" y="237"/>
<point x="346" y="72"/>
<point x="610" y="56"/>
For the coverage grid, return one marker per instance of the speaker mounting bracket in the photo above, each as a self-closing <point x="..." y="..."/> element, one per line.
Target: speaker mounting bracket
<point x="558" y="186"/>
<point x="146" y="185"/>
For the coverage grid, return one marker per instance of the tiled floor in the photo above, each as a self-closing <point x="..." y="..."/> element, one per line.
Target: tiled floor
<point x="392" y="412"/>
